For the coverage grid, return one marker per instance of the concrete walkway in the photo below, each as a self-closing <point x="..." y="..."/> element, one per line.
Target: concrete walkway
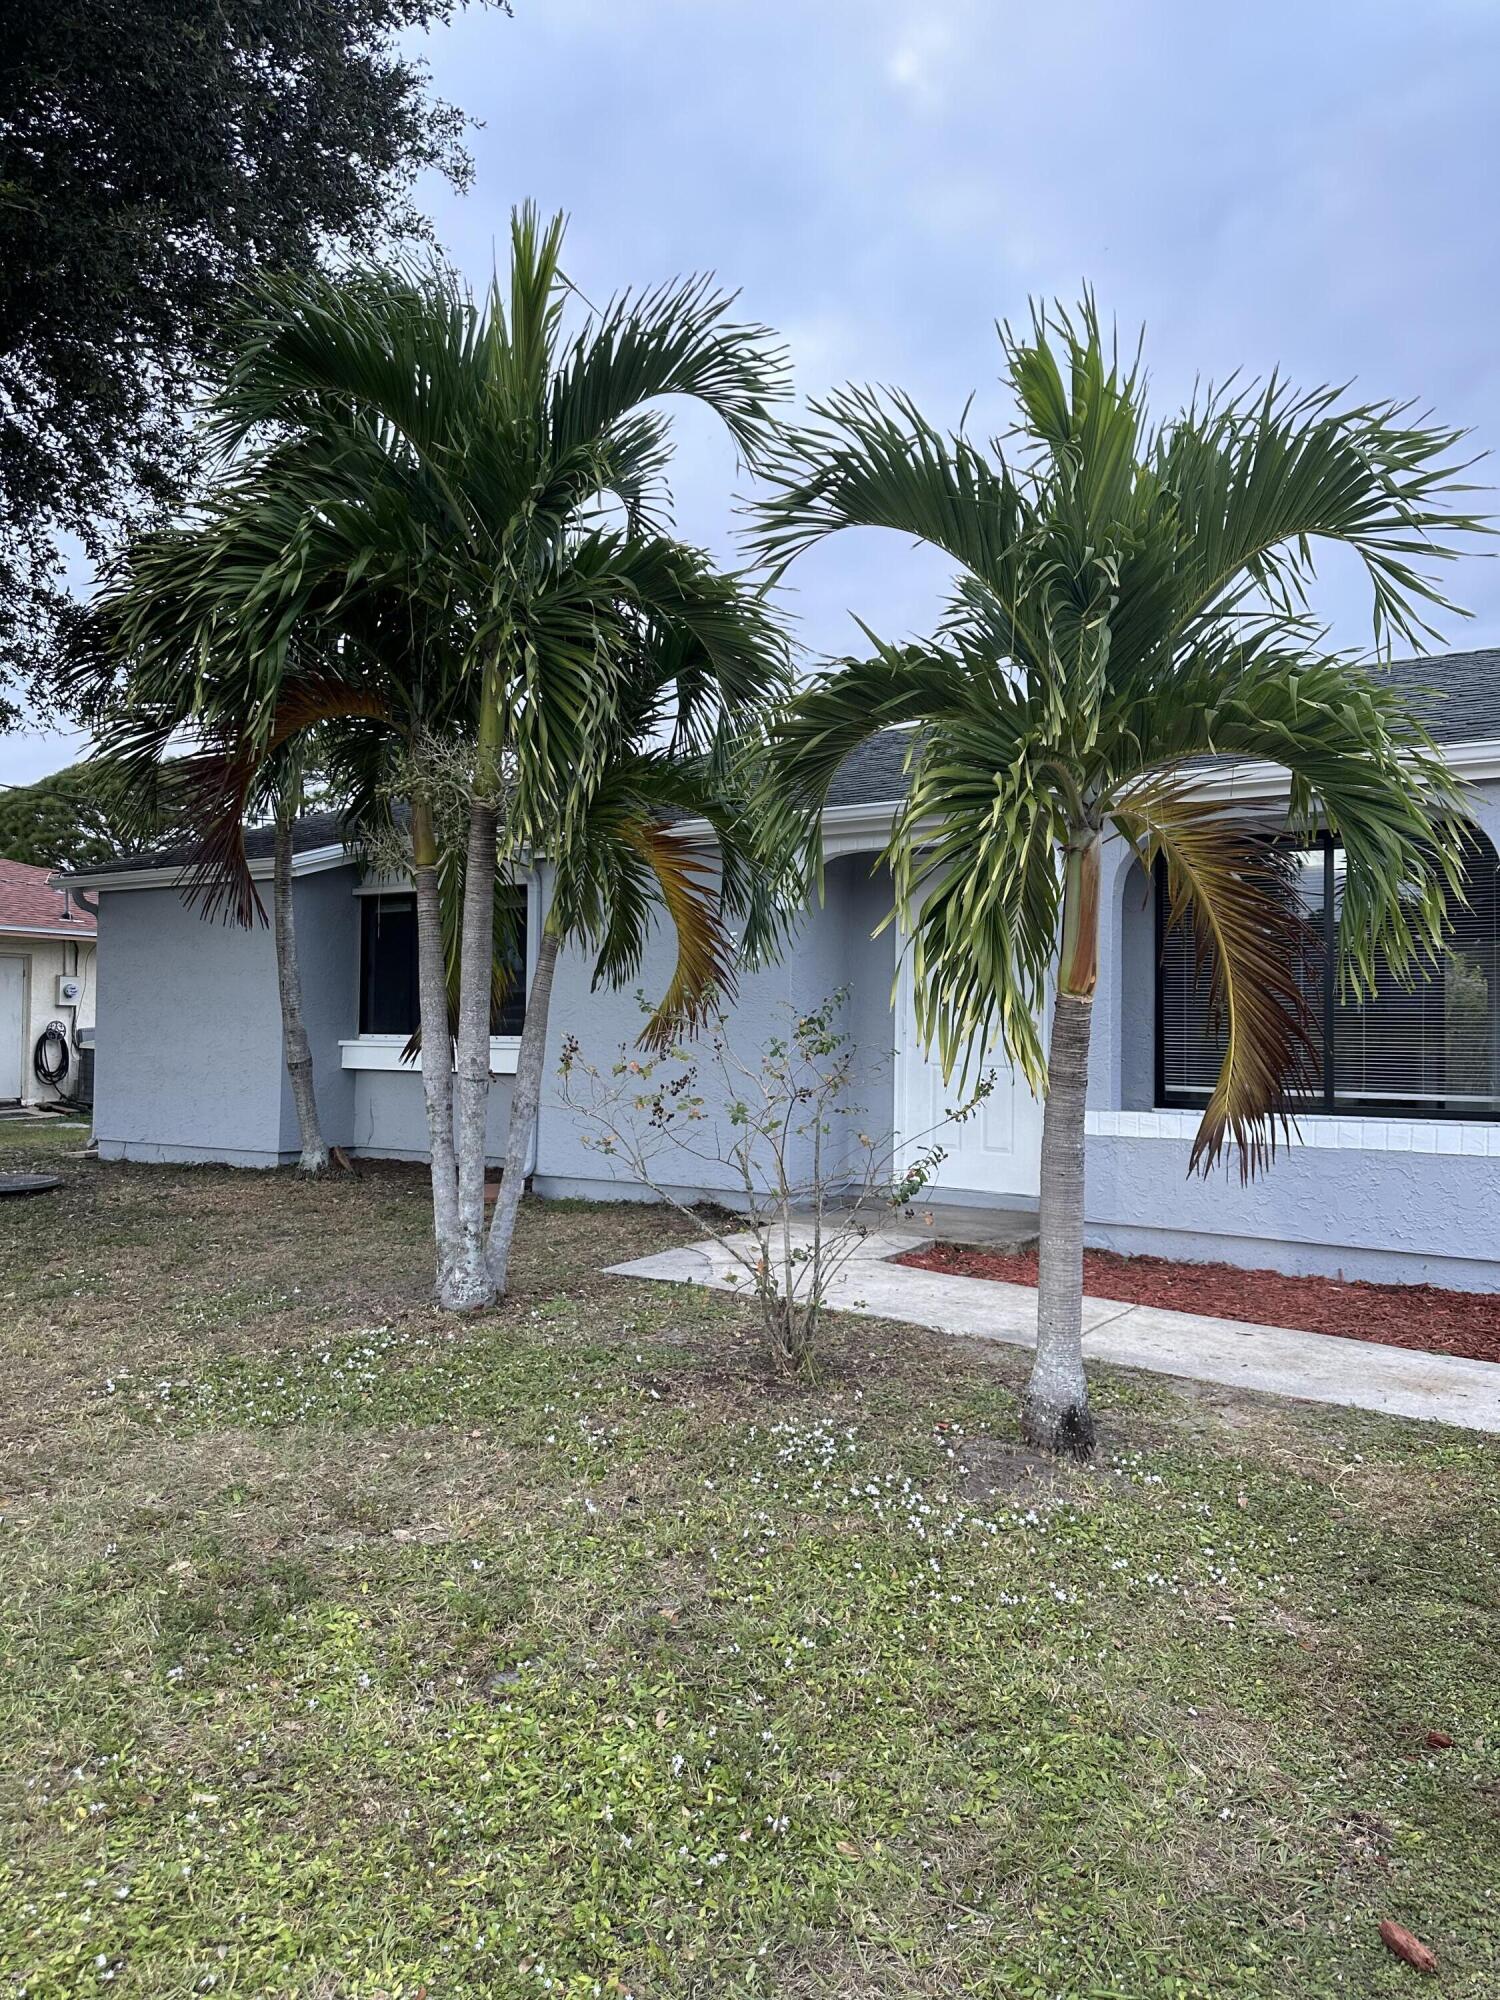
<point x="1317" y="1367"/>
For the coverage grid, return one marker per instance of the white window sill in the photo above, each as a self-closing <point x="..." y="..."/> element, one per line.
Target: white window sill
<point x="384" y="1052"/>
<point x="1339" y="1134"/>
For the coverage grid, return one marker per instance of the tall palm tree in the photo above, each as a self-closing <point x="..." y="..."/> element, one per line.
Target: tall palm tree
<point x="625" y="862"/>
<point x="445" y="522"/>
<point x="1130" y="597"/>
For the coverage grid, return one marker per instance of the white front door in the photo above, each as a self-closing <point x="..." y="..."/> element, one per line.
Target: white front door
<point x="997" y="1149"/>
<point x="12" y="1016"/>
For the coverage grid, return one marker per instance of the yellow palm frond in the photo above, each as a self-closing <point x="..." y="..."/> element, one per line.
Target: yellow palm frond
<point x="704" y="972"/>
<point x="1236" y="883"/>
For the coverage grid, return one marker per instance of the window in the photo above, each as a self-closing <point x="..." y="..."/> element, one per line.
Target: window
<point x="1431" y="1049"/>
<point x="388" y="1002"/>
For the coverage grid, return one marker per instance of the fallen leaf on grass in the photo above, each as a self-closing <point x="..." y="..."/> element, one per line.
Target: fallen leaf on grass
<point x="1439" y="1739"/>
<point x="1398" y="1939"/>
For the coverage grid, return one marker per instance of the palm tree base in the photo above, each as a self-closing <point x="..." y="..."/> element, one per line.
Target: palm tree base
<point x="1066" y="1430"/>
<point x="465" y="1291"/>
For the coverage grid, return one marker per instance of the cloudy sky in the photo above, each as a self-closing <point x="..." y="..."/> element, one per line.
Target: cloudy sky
<point x="1312" y="186"/>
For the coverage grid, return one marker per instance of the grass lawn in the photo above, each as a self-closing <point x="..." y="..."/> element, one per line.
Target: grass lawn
<point x="348" y="1651"/>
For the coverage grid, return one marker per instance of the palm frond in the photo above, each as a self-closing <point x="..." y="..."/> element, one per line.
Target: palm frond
<point x="677" y="340"/>
<point x="871" y="460"/>
<point x="1260" y="476"/>
<point x="1238" y="886"/>
<point x="703" y="975"/>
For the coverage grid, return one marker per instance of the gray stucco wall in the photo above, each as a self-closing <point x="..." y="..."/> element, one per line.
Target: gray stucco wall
<point x="869" y="972"/>
<point x="189" y="1058"/>
<point x="188" y="1036"/>
<point x="1408" y="1217"/>
<point x="327" y="916"/>
<point x="389" y="1117"/>
<point x="832" y="950"/>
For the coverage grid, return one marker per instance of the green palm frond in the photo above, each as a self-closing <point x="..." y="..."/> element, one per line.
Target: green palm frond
<point x="976" y="866"/>
<point x="1132" y="598"/>
<point x="871" y="460"/>
<point x="675" y="341"/>
<point x="418" y="493"/>
<point x="1261" y="475"/>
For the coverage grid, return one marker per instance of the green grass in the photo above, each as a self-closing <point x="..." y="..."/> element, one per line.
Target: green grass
<point x="345" y="1651"/>
<point x="40" y="1138"/>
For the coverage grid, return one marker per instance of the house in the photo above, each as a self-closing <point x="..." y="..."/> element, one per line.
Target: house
<point x="46" y="977"/>
<point x="1393" y="1172"/>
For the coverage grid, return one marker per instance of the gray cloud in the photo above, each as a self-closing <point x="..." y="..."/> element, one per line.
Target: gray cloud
<point x="1303" y="186"/>
<point x="1310" y="185"/>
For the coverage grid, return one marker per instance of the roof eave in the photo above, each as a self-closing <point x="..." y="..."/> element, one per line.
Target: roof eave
<point x="173" y="875"/>
<point x="78" y="933"/>
<point x="848" y="829"/>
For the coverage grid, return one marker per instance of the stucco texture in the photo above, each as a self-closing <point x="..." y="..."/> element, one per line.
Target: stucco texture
<point x="188" y="1062"/>
<point x="832" y="951"/>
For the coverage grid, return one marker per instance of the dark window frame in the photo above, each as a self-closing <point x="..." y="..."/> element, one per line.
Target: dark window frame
<point x="506" y="1022"/>
<point x="377" y="1009"/>
<point x="1323" y="1098"/>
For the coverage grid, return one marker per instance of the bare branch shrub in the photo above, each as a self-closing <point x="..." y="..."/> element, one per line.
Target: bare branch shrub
<point x="779" y="1137"/>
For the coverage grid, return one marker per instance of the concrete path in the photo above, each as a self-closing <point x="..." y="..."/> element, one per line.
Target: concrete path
<point x="1318" y="1367"/>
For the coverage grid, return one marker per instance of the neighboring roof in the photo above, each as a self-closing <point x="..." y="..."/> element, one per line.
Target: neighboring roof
<point x="28" y="904"/>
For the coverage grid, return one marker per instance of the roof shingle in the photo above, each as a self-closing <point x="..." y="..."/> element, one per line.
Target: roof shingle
<point x="28" y="904"/>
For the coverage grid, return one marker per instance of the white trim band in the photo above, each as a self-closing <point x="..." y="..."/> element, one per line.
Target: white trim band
<point x="311" y="861"/>
<point x="1344" y="1135"/>
<point x="384" y="1052"/>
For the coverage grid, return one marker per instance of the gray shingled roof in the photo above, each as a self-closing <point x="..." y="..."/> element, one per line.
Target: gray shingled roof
<point x="313" y="830"/>
<point x="1457" y="695"/>
<point x="872" y="774"/>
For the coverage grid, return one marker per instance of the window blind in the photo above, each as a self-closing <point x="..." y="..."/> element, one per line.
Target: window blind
<point x="1431" y="1047"/>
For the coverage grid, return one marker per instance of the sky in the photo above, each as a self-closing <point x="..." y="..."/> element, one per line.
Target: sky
<point x="1309" y="187"/>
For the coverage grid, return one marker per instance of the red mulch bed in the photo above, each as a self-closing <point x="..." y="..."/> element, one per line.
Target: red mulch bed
<point x="1420" y="1316"/>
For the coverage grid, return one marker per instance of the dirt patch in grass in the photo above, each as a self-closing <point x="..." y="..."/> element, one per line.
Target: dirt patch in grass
<point x="996" y="1470"/>
<point x="1420" y="1316"/>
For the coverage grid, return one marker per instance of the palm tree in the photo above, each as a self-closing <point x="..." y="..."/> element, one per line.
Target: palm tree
<point x="1130" y="597"/>
<point x="313" y="1157"/>
<point x="443" y="524"/>
<point x="625" y="861"/>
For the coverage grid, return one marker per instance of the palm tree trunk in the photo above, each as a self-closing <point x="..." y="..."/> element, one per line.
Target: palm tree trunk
<point x="299" y="1062"/>
<point x="525" y="1104"/>
<point x="1055" y="1412"/>
<point x="437" y="1055"/>
<point x="475" y="981"/>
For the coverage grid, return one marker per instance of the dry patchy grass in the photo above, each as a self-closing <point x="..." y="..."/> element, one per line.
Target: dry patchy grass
<point x="347" y="1651"/>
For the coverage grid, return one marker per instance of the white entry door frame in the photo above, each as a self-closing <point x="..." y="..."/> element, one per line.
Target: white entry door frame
<point x="13" y="970"/>
<point x="997" y="1150"/>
